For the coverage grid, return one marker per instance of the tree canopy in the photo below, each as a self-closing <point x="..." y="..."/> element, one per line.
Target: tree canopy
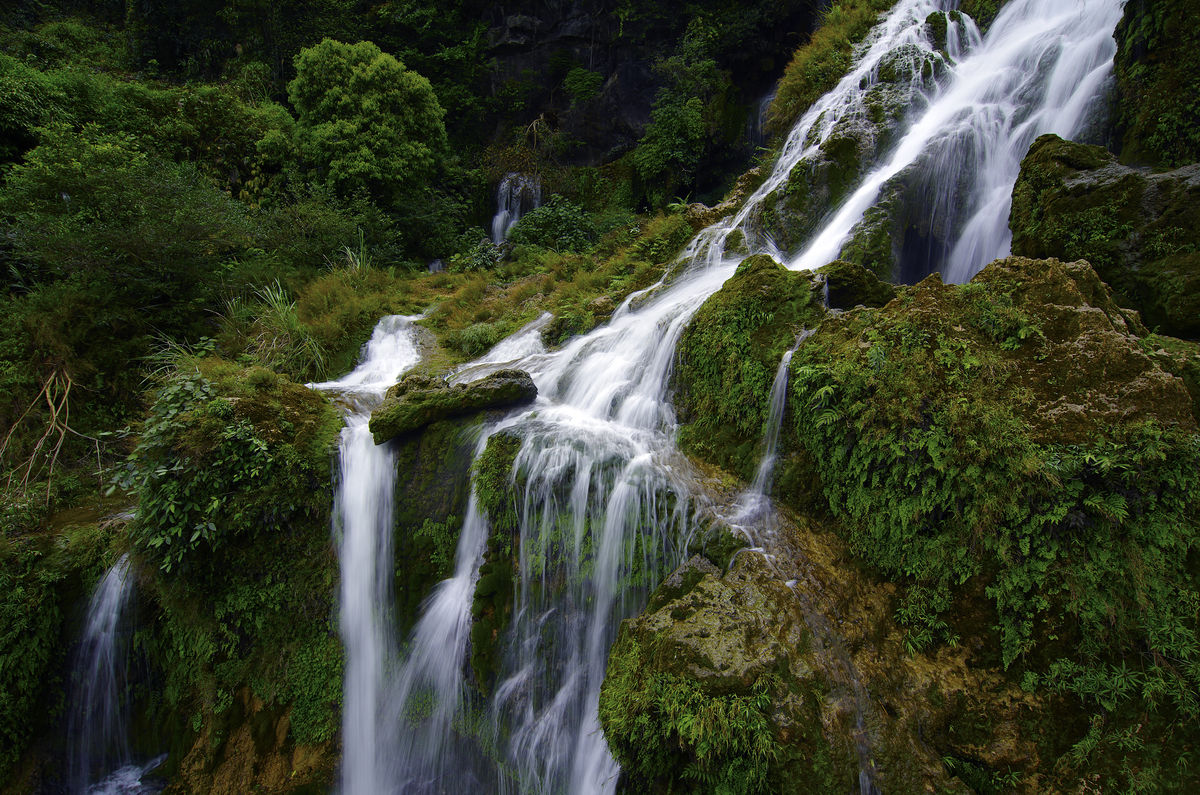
<point x="365" y="122"/>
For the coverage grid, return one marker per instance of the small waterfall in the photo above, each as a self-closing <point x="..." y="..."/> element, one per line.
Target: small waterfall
<point x="363" y="531"/>
<point x="517" y="195"/>
<point x="100" y="760"/>
<point x="755" y="503"/>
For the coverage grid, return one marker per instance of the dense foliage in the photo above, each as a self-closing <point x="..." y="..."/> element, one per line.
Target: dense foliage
<point x="927" y="442"/>
<point x="364" y="122"/>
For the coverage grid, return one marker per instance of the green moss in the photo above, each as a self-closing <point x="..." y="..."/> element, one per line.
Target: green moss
<point x="418" y="401"/>
<point x="499" y="495"/>
<point x="937" y="24"/>
<point x="1158" y="82"/>
<point x="432" y="485"/>
<point x="849" y="285"/>
<point x="818" y="65"/>
<point x="233" y="476"/>
<point x="938" y="427"/>
<point x="708" y="690"/>
<point x="984" y="12"/>
<point x="1140" y="231"/>
<point x="728" y="357"/>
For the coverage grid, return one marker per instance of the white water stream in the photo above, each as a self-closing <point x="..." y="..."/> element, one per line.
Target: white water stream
<point x="363" y="533"/>
<point x="606" y="507"/>
<point x="100" y="761"/>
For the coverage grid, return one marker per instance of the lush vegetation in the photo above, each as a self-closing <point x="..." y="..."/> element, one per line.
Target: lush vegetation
<point x="1158" y="77"/>
<point x="1078" y="533"/>
<point x="204" y="206"/>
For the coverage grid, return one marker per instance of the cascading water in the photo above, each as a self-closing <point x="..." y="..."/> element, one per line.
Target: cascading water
<point x="100" y="761"/>
<point x="363" y="530"/>
<point x="755" y="503"/>
<point x="517" y="195"/>
<point x="1039" y="70"/>
<point x="606" y="505"/>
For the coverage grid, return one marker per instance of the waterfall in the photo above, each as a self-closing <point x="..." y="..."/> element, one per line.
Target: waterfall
<point x="100" y="760"/>
<point x="1039" y="70"/>
<point x="517" y="195"/>
<point x="755" y="503"/>
<point x="363" y="532"/>
<point x="606" y="506"/>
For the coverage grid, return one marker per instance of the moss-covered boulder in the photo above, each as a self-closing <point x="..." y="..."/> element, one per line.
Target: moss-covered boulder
<point x="712" y="684"/>
<point x="433" y="482"/>
<point x="848" y="285"/>
<point x="499" y="493"/>
<point x="235" y="493"/>
<point x="1013" y="452"/>
<point x="1158" y="82"/>
<point x="729" y="354"/>
<point x="1139" y="230"/>
<point x="420" y="400"/>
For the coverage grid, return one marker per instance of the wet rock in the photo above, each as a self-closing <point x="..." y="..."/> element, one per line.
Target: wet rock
<point x="1139" y="230"/>
<point x="420" y="400"/>
<point x="729" y="652"/>
<point x="851" y="285"/>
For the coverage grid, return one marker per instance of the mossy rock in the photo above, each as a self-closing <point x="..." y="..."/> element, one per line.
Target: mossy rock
<point x="1158" y="82"/>
<point x="499" y="493"/>
<point x="1139" y="230"/>
<point x="850" y="285"/>
<point x="418" y="401"/>
<point x="713" y="681"/>
<point x="433" y="481"/>
<point x="728" y="357"/>
<point x="1015" y="446"/>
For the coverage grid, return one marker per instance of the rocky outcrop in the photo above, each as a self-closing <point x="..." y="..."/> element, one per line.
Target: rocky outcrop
<point x="1016" y="464"/>
<point x="1157" y="67"/>
<point x="418" y="401"/>
<point x="848" y="285"/>
<point x="729" y="354"/>
<point x="1139" y="230"/>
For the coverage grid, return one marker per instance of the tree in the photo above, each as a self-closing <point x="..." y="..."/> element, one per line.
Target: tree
<point x="365" y="122"/>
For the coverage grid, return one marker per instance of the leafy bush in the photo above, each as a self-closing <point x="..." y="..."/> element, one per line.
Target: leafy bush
<point x="220" y="458"/>
<point x="582" y="84"/>
<point x="366" y="123"/>
<point x="559" y="224"/>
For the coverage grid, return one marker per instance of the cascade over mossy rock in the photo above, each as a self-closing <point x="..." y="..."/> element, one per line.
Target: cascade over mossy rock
<point x="1139" y="230"/>
<point x="729" y="353"/>
<point x="420" y="400"/>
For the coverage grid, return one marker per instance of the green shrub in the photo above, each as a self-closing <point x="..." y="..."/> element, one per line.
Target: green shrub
<point x="582" y="84"/>
<point x="818" y="65"/>
<point x="559" y="224"/>
<point x="365" y="122"/>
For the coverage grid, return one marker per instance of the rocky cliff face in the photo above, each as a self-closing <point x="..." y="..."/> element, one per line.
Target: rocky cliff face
<point x="534" y="46"/>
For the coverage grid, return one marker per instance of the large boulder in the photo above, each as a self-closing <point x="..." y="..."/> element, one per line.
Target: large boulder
<point x="418" y="401"/>
<point x="713" y="681"/>
<point x="1139" y="230"/>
